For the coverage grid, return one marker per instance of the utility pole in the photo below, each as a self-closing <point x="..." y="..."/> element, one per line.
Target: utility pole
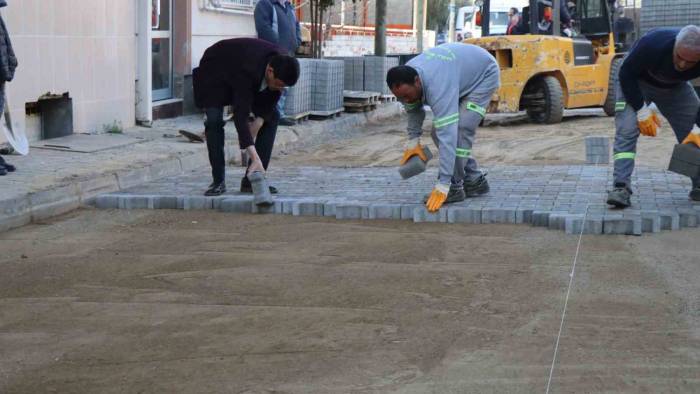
<point x="380" y="29"/>
<point x="451" y="30"/>
<point x="421" y="25"/>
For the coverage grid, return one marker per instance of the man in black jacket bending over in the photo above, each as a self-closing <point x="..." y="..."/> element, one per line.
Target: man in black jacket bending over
<point x="248" y="74"/>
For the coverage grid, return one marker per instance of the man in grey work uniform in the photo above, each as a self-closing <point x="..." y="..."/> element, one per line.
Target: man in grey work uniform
<point x="656" y="70"/>
<point x="457" y="82"/>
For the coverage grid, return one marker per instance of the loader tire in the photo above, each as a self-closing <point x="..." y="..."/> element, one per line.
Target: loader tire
<point x="611" y="99"/>
<point x="551" y="108"/>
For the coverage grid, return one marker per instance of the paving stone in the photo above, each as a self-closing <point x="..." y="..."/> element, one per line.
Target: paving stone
<point x="130" y="201"/>
<point x="107" y="201"/>
<point x="237" y="204"/>
<point x="196" y="203"/>
<point x="670" y="221"/>
<point x="407" y="211"/>
<point x="651" y="222"/>
<point x="625" y="225"/>
<point x="385" y="211"/>
<point x="463" y="215"/>
<point x="421" y="215"/>
<point x="573" y="223"/>
<point x="307" y="208"/>
<point x="352" y="211"/>
<point x="497" y="215"/>
<point x="540" y="219"/>
<point x="688" y="217"/>
<point x="165" y="202"/>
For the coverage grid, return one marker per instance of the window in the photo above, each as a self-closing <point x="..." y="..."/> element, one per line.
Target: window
<point x="241" y="5"/>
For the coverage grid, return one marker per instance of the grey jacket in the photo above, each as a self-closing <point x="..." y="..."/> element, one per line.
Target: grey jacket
<point x="449" y="72"/>
<point x="8" y="61"/>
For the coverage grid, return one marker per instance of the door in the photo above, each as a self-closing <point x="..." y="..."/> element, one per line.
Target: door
<point x="161" y="49"/>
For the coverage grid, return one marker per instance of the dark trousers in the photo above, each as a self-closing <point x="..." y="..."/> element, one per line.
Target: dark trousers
<point x="214" y="131"/>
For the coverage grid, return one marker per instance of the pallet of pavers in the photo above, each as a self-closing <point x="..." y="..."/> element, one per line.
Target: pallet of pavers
<point x="360" y="101"/>
<point x="327" y="88"/>
<point x="376" y="68"/>
<point x="298" y="103"/>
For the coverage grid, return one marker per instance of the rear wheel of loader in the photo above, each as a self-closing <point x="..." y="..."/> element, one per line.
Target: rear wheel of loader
<point x="544" y="100"/>
<point x="609" y="106"/>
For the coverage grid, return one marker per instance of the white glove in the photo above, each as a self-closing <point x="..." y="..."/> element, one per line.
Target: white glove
<point x="412" y="143"/>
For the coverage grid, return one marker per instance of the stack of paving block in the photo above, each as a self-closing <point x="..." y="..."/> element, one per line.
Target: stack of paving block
<point x="376" y="68"/>
<point x="665" y="13"/>
<point x="354" y="72"/>
<point x="299" y="97"/>
<point x="327" y="87"/>
<point x="597" y="150"/>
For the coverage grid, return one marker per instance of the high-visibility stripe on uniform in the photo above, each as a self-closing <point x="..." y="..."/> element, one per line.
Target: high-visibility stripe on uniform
<point x="620" y="106"/>
<point x="476" y="108"/>
<point x="410" y="106"/>
<point x="624" y="155"/>
<point x="463" y="152"/>
<point x="446" y="121"/>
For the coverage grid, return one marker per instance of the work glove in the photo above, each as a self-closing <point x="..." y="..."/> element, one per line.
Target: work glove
<point x="437" y="197"/>
<point x="648" y="120"/>
<point x="693" y="137"/>
<point x="413" y="148"/>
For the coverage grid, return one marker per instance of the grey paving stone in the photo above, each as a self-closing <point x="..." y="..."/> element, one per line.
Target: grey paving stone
<point x="237" y="204"/>
<point x="688" y="217"/>
<point x="198" y="203"/>
<point x="463" y="215"/>
<point x="421" y="215"/>
<point x="540" y="219"/>
<point x="130" y="201"/>
<point x="307" y="208"/>
<point x="651" y="222"/>
<point x="407" y="211"/>
<point x="385" y="211"/>
<point x="627" y="226"/>
<point x="165" y="202"/>
<point x="497" y="215"/>
<point x="670" y="221"/>
<point x="107" y="201"/>
<point x="352" y="211"/>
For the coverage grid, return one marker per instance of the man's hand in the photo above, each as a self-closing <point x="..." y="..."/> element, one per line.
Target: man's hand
<point x="648" y="120"/>
<point x="693" y="137"/>
<point x="413" y="148"/>
<point x="437" y="197"/>
<point x="256" y="163"/>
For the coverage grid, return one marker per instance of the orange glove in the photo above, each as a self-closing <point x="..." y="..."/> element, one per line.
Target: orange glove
<point x="437" y="197"/>
<point x="648" y="120"/>
<point x="417" y="150"/>
<point x="693" y="137"/>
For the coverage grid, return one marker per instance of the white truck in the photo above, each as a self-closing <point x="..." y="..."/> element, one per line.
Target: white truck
<point x="466" y="27"/>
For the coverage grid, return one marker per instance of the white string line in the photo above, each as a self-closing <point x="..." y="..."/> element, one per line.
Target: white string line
<point x="568" y="291"/>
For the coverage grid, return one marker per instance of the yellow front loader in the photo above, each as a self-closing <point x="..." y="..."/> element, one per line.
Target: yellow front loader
<point x="543" y="72"/>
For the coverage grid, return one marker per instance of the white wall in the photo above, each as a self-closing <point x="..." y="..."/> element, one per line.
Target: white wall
<point x="356" y="45"/>
<point x="209" y="27"/>
<point x="84" y="47"/>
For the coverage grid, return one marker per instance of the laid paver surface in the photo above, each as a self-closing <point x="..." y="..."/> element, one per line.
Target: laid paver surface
<point x="558" y="197"/>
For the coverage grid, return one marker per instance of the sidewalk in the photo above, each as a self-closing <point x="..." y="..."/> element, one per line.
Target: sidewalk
<point x="52" y="182"/>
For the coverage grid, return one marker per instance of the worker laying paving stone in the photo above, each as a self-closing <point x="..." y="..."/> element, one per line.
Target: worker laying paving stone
<point x="457" y="82"/>
<point x="656" y="70"/>
<point x="252" y="86"/>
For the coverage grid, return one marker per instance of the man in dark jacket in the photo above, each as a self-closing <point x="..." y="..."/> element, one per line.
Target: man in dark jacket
<point x="656" y="71"/>
<point x="276" y="23"/>
<point x="8" y="64"/>
<point x="248" y="74"/>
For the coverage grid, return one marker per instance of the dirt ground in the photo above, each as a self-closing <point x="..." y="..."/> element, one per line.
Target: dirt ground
<point x="205" y="302"/>
<point x="505" y="139"/>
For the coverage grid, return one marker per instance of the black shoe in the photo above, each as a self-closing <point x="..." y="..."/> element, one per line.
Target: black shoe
<point x="9" y="167"/>
<point x="287" y="122"/>
<point x="247" y="188"/>
<point x="3" y="171"/>
<point x="619" y="197"/>
<point x="695" y="194"/>
<point x="476" y="187"/>
<point x="216" y="189"/>
<point x="456" y="194"/>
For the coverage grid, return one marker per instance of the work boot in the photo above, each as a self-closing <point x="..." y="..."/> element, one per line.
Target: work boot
<point x="695" y="194"/>
<point x="456" y="194"/>
<point x="246" y="187"/>
<point x="476" y="187"/>
<point x="216" y="189"/>
<point x="620" y="196"/>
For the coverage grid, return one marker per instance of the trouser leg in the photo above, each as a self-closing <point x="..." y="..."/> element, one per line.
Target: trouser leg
<point x="214" y="131"/>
